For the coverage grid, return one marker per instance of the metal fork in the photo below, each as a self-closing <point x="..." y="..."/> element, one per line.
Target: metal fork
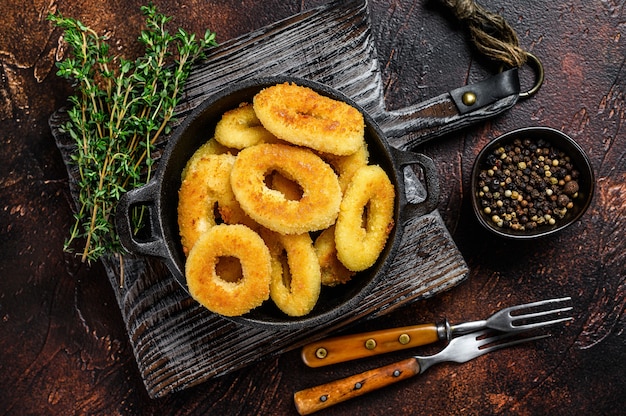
<point x="509" y="319"/>
<point x="459" y="350"/>
<point x="349" y="347"/>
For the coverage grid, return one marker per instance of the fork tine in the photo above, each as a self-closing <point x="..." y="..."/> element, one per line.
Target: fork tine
<point x="542" y="313"/>
<point x="543" y="323"/>
<point x="493" y="336"/>
<point x="495" y="347"/>
<point x="539" y="303"/>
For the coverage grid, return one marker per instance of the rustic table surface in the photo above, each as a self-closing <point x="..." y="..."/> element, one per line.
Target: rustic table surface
<point x="63" y="344"/>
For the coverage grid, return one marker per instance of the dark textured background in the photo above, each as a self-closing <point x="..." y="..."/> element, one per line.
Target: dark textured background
<point x="63" y="347"/>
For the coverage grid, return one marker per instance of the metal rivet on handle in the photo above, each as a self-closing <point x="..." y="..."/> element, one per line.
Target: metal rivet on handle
<point x="370" y="344"/>
<point x="404" y="339"/>
<point x="321" y="352"/>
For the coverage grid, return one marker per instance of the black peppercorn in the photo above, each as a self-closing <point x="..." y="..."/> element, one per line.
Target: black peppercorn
<point x="570" y="187"/>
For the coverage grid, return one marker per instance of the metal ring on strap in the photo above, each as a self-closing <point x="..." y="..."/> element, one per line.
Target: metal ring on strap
<point x="537" y="67"/>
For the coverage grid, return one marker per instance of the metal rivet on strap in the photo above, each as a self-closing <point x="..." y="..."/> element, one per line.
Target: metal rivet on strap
<point x="469" y="98"/>
<point x="370" y="344"/>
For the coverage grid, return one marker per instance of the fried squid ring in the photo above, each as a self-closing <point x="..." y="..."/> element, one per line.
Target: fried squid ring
<point x="228" y="268"/>
<point x="345" y="166"/>
<point x="211" y="147"/>
<point x="332" y="270"/>
<point x="240" y="128"/>
<point x="226" y="297"/>
<point x="301" y="116"/>
<point x="205" y="192"/>
<point x="365" y="218"/>
<point x="289" y="188"/>
<point x="296" y="280"/>
<point x="321" y="195"/>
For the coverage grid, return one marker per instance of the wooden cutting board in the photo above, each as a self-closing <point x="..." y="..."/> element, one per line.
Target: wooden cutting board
<point x="179" y="344"/>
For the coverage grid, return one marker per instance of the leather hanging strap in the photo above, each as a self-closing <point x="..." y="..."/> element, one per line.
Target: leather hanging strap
<point x="461" y="107"/>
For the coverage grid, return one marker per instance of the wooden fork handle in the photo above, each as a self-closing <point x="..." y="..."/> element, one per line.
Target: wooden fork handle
<point x="350" y="347"/>
<point x="320" y="397"/>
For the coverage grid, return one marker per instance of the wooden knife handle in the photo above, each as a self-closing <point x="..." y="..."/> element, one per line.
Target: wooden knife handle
<point x="320" y="397"/>
<point x="350" y="347"/>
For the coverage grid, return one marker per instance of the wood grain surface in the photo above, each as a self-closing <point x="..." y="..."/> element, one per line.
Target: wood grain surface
<point x="64" y="348"/>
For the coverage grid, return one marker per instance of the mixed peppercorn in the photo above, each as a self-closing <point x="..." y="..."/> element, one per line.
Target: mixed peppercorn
<point x="527" y="184"/>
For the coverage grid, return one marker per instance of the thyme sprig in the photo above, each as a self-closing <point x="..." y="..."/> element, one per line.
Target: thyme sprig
<point x="119" y="110"/>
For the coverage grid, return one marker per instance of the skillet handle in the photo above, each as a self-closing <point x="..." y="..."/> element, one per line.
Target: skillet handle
<point x="153" y="243"/>
<point x="429" y="203"/>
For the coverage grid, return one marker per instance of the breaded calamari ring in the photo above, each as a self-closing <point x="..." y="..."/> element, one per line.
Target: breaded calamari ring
<point x="204" y="192"/>
<point x="240" y="128"/>
<point x="365" y="218"/>
<point x="224" y="297"/>
<point x="211" y="147"/>
<point x="296" y="280"/>
<point x="333" y="271"/>
<point x="345" y="166"/>
<point x="301" y="116"/>
<point x="321" y="194"/>
<point x="289" y="188"/>
<point x="228" y="268"/>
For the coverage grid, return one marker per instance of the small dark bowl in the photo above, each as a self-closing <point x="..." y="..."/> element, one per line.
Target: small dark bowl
<point x="558" y="139"/>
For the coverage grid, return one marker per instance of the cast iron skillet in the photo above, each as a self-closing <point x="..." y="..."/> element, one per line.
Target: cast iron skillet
<point x="160" y="196"/>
